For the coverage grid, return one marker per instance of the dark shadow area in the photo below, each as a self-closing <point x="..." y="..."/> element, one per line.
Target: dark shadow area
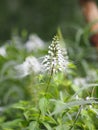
<point x="37" y="16"/>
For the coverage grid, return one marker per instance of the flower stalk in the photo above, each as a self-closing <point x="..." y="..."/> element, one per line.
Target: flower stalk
<point x="55" y="61"/>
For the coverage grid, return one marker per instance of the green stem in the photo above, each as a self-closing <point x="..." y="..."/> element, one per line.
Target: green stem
<point x="49" y="81"/>
<point x="93" y="90"/>
<point x="39" y="116"/>
<point x="46" y="89"/>
<point x="77" y="116"/>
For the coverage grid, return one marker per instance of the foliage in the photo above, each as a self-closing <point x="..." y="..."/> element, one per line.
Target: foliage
<point x="61" y="95"/>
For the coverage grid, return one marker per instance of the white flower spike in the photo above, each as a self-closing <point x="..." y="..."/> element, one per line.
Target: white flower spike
<point x="57" y="58"/>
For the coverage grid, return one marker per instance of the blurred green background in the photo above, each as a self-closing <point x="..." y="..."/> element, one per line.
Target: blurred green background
<point x="38" y="16"/>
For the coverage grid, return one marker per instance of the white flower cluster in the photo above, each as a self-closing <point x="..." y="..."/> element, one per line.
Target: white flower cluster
<point x="79" y="81"/>
<point x="30" y="65"/>
<point x="92" y="75"/>
<point x="57" y="58"/>
<point x="83" y="81"/>
<point x="34" y="43"/>
<point x="3" y="51"/>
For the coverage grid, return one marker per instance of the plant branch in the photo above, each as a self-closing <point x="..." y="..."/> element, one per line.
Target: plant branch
<point x="49" y="81"/>
<point x="76" y="118"/>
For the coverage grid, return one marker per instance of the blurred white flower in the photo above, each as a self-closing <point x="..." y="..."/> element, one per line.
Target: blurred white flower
<point x="92" y="76"/>
<point x="57" y="58"/>
<point x="30" y="65"/>
<point x="87" y="98"/>
<point x="3" y="51"/>
<point x="89" y="78"/>
<point x="16" y="41"/>
<point x="34" y="43"/>
<point x="77" y="97"/>
<point x="80" y="81"/>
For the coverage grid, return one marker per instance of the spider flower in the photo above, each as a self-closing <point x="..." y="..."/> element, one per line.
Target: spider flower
<point x="57" y="58"/>
<point x="30" y="65"/>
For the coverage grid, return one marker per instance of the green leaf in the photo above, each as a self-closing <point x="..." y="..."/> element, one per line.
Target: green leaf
<point x="72" y="104"/>
<point x="47" y="126"/>
<point x="50" y="120"/>
<point x="62" y="127"/>
<point x="11" y="124"/>
<point x="34" y="125"/>
<point x="31" y="113"/>
<point x="85" y="115"/>
<point x="43" y="104"/>
<point x="21" y="105"/>
<point x="84" y="88"/>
